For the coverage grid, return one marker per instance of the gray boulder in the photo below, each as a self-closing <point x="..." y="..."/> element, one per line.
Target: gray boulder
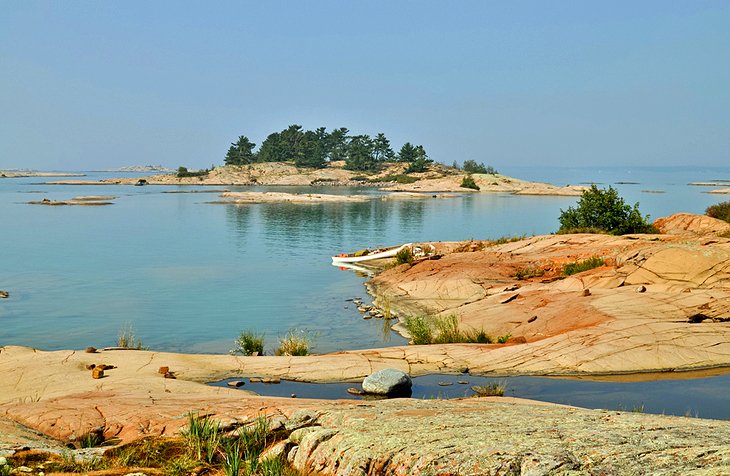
<point x="392" y="382"/>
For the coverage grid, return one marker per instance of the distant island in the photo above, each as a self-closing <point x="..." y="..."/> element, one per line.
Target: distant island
<point x="143" y="169"/>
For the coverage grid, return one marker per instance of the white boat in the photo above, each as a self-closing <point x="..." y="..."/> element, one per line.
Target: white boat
<point x="419" y="251"/>
<point x="369" y="255"/>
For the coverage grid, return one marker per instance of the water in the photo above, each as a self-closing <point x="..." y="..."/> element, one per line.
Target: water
<point x="696" y="395"/>
<point x="189" y="276"/>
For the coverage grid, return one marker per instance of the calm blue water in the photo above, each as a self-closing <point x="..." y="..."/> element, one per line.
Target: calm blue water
<point x="189" y="276"/>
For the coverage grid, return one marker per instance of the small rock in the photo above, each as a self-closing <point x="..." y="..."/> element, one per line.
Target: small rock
<point x="361" y="309"/>
<point x="236" y="383"/>
<point x="90" y="350"/>
<point x="273" y="380"/>
<point x="97" y="373"/>
<point x="388" y="382"/>
<point x="169" y="375"/>
<point x="367" y="316"/>
<point x="293" y="395"/>
<point x="687" y="290"/>
<point x="463" y="382"/>
<point x="517" y="340"/>
<point x="586" y="292"/>
<point x="355" y="391"/>
<point x="164" y="370"/>
<point x="641" y="289"/>
<point x="445" y="384"/>
<point x="254" y="380"/>
<point x="90" y="367"/>
<point x="532" y="319"/>
<point x="4" y="294"/>
<point x="509" y="298"/>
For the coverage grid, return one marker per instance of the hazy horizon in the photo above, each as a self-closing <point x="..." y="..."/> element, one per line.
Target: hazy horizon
<point x="91" y="86"/>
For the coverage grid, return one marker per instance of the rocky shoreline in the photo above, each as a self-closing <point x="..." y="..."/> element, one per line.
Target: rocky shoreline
<point x="658" y="303"/>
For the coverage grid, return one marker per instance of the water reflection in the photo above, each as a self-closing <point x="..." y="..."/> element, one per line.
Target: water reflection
<point x="238" y="218"/>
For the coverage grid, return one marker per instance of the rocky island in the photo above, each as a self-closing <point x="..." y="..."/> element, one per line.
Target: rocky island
<point x="392" y="177"/>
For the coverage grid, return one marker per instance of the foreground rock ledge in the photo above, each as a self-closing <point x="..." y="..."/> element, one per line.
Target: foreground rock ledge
<point x="53" y="392"/>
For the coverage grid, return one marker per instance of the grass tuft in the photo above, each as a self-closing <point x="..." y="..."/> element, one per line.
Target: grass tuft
<point x="202" y="436"/>
<point x="295" y="343"/>
<point x="585" y="265"/>
<point x="442" y="330"/>
<point x="249" y="343"/>
<point x="494" y="389"/>
<point x="529" y="272"/>
<point x="127" y="338"/>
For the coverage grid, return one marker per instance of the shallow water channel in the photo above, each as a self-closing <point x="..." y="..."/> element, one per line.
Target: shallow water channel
<point x="688" y="394"/>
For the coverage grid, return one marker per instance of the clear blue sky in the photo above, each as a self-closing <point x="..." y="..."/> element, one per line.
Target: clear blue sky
<point x="93" y="84"/>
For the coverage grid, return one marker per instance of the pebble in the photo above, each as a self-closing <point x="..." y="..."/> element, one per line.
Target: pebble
<point x="254" y="380"/>
<point x="164" y="370"/>
<point x="355" y="391"/>
<point x="367" y="316"/>
<point x="90" y="350"/>
<point x="236" y="383"/>
<point x="4" y="294"/>
<point x="271" y="380"/>
<point x="586" y="292"/>
<point x="532" y="319"/>
<point x="293" y="395"/>
<point x="641" y="289"/>
<point x="445" y="384"/>
<point x="463" y="382"/>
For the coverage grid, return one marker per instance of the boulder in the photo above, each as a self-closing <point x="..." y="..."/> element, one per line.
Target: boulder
<point x="392" y="382"/>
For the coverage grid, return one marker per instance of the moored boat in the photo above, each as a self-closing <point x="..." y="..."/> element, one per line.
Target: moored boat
<point x="418" y="250"/>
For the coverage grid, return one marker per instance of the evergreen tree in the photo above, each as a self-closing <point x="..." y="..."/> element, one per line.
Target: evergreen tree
<point x="337" y="144"/>
<point x="272" y="149"/>
<point x="381" y="149"/>
<point x="360" y="154"/>
<point x="421" y="161"/>
<point x="407" y="153"/>
<point x="240" y="152"/>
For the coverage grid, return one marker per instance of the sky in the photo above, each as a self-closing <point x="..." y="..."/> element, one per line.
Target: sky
<point x="87" y="85"/>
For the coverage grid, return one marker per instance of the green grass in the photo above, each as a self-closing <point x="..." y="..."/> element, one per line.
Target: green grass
<point x="582" y="230"/>
<point x="442" y="330"/>
<point x="506" y="239"/>
<point x="249" y="343"/>
<point x="503" y="339"/>
<point x="201" y="449"/>
<point x="725" y="235"/>
<point x="468" y="182"/>
<point x="295" y="343"/>
<point x="585" y="265"/>
<point x="202" y="436"/>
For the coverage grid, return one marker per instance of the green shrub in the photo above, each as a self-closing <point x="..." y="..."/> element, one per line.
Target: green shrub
<point x="404" y="256"/>
<point x="184" y="172"/>
<point x="470" y="166"/>
<point x="249" y="343"/>
<point x="468" y="182"/>
<point x="580" y="266"/>
<point x="295" y="343"/>
<point x="605" y="210"/>
<point x="720" y="211"/>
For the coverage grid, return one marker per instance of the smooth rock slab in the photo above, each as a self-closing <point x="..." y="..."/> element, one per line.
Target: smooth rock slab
<point x="388" y="382"/>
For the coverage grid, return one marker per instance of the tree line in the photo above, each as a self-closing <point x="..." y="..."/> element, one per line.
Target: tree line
<point x="318" y="147"/>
